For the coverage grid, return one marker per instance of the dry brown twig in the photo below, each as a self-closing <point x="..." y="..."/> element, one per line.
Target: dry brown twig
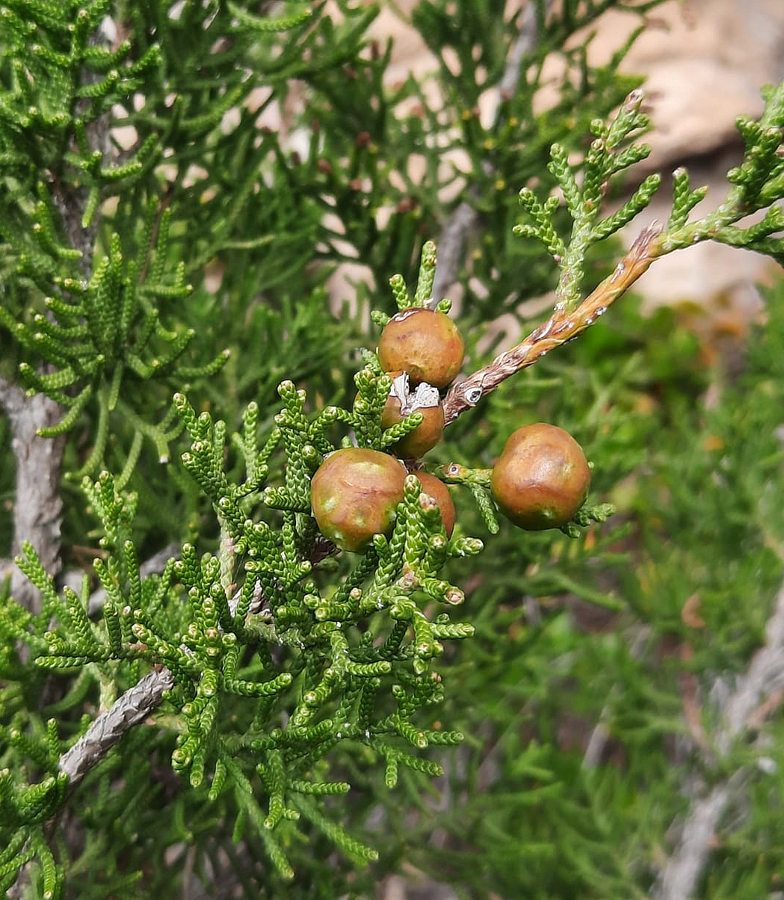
<point x="561" y="327"/>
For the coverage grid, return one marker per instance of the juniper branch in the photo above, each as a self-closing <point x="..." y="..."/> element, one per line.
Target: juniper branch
<point x="561" y="327"/>
<point x="757" y="184"/>
<point x="71" y="201"/>
<point x="131" y="709"/>
<point x="140" y="701"/>
<point x="38" y="506"/>
<point x="152" y="566"/>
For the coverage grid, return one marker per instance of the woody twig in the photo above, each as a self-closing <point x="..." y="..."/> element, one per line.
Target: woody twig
<point x="561" y="327"/>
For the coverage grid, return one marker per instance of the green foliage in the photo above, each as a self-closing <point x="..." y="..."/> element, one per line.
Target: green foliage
<point x="164" y="265"/>
<point x="349" y="667"/>
<point x="104" y="264"/>
<point x="607" y="157"/>
<point x="758" y="182"/>
<point x="472" y="45"/>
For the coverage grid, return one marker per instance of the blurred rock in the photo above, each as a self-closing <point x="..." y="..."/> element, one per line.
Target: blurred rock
<point x="704" y="62"/>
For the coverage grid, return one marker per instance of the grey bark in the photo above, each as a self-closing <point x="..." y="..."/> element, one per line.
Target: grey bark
<point x="129" y="710"/>
<point x="38" y="505"/>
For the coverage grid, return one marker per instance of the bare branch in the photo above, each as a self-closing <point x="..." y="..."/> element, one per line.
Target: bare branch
<point x="130" y="709"/>
<point x="558" y="329"/>
<point x="450" y="248"/>
<point x="524" y="43"/>
<point x="764" y="677"/>
<point x="38" y="505"/>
